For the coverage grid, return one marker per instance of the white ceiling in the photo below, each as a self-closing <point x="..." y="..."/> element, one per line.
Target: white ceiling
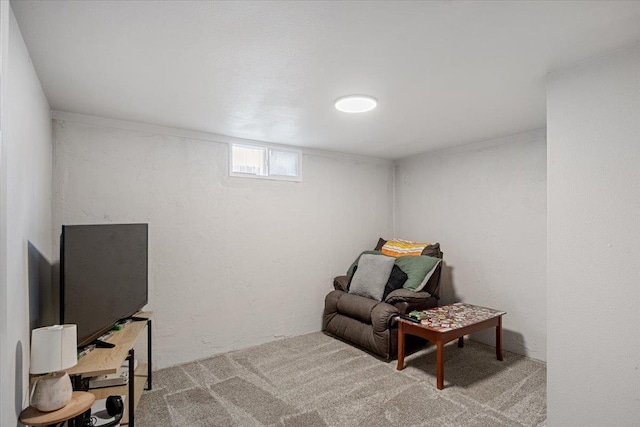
<point x="444" y="73"/>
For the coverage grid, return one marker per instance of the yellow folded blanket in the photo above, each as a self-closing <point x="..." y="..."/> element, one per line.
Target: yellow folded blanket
<point x="399" y="247"/>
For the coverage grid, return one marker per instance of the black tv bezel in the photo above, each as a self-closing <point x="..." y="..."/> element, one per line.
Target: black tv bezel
<point x="90" y="338"/>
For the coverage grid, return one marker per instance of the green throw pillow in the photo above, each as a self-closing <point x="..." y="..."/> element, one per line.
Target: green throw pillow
<point x="417" y="268"/>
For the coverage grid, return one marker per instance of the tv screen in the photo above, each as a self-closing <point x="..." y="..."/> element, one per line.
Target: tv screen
<point x="103" y="276"/>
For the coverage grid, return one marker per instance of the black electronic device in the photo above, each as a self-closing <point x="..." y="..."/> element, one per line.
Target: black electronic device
<point x="409" y="318"/>
<point x="103" y="276"/>
<point x="115" y="408"/>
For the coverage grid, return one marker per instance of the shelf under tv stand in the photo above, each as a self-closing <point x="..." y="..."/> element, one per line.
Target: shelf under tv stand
<point x="104" y="361"/>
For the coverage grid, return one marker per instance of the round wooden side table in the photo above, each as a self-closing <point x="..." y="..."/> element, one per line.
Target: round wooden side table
<point x="80" y="402"/>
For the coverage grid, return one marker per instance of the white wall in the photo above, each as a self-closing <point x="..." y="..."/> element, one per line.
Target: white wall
<point x="4" y="352"/>
<point x="486" y="205"/>
<point x="233" y="261"/>
<point x="26" y="206"/>
<point x="593" y="114"/>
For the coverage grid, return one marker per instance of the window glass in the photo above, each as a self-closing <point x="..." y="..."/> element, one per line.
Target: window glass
<point x="263" y="161"/>
<point x="249" y="160"/>
<point x="283" y="163"/>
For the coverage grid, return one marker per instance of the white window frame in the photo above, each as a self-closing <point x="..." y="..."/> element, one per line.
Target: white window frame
<point x="268" y="149"/>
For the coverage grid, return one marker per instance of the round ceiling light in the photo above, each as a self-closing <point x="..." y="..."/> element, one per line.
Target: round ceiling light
<point x="356" y="103"/>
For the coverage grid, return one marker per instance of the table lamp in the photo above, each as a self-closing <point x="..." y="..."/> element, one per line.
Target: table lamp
<point x="53" y="349"/>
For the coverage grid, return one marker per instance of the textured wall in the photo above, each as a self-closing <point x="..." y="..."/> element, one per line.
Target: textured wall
<point x="593" y="243"/>
<point x="26" y="209"/>
<point x="486" y="204"/>
<point x="233" y="261"/>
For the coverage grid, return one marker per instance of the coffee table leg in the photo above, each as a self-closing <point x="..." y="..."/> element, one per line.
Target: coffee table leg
<point x="499" y="339"/>
<point x="440" y="365"/>
<point x="461" y="342"/>
<point x="400" y="365"/>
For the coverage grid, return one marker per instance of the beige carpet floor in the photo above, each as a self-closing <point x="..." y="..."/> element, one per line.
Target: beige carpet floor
<point x="316" y="380"/>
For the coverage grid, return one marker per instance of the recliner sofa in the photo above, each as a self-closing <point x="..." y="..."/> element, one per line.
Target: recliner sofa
<point x="371" y="324"/>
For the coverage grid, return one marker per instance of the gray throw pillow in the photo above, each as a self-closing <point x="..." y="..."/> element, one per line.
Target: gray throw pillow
<point x="371" y="276"/>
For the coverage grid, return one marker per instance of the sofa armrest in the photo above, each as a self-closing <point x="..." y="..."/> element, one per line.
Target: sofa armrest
<point x="382" y="316"/>
<point x="331" y="302"/>
<point x="340" y="283"/>
<point x="406" y="295"/>
<point x="406" y="300"/>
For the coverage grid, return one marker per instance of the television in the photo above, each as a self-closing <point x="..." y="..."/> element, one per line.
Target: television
<point x="103" y="276"/>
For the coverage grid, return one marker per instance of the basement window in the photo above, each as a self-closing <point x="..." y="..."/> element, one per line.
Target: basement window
<point x="261" y="161"/>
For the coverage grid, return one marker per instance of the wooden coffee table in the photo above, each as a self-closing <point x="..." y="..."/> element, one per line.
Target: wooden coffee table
<point x="441" y="325"/>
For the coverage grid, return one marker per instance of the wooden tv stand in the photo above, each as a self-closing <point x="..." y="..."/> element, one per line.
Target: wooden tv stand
<point x="104" y="361"/>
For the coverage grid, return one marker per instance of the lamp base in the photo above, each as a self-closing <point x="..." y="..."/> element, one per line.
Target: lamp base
<point x="52" y="392"/>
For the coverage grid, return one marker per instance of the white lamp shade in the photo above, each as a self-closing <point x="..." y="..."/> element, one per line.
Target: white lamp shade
<point x="53" y="349"/>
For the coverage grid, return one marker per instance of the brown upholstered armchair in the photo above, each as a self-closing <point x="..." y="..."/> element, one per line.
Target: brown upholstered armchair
<point x="372" y="324"/>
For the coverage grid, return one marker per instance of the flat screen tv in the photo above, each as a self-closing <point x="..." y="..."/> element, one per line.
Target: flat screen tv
<point x="103" y="276"/>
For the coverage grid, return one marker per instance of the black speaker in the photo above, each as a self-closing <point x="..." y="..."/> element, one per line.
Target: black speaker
<point x="115" y="408"/>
